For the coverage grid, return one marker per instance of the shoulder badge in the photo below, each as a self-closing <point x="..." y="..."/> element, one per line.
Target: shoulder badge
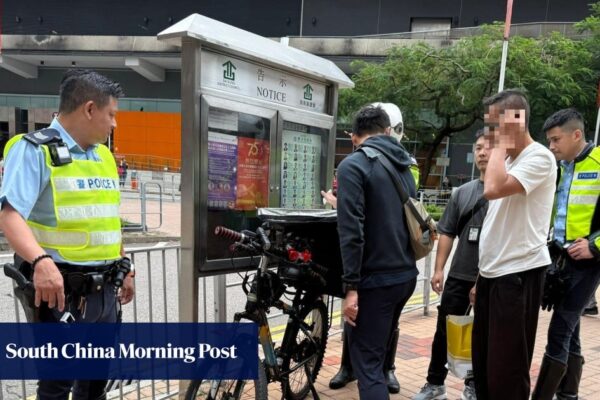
<point x="43" y="136"/>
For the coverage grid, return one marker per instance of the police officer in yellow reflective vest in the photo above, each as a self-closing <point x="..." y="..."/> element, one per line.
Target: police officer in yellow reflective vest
<point x="577" y="235"/>
<point x="60" y="213"/>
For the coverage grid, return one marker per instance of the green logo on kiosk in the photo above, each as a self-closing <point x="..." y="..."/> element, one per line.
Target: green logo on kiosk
<point x="228" y="71"/>
<point x="308" y="92"/>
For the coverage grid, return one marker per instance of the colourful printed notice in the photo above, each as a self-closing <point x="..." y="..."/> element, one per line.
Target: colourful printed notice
<point x="252" y="174"/>
<point x="222" y="170"/>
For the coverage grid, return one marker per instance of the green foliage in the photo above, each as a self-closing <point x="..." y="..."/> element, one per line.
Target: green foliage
<point x="556" y="72"/>
<point x="434" y="211"/>
<point x="591" y="26"/>
<point x="440" y="90"/>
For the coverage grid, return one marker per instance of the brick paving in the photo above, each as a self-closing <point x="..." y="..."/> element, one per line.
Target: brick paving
<point x="414" y="345"/>
<point x="412" y="360"/>
<point x="414" y="348"/>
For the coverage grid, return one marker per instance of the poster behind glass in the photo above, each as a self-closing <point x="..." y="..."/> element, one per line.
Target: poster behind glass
<point x="302" y="160"/>
<point x="238" y="173"/>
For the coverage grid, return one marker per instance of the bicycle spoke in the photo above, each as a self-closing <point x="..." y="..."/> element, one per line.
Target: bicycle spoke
<point x="306" y="353"/>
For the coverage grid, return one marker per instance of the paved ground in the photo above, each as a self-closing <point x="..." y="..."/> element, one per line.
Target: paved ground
<point x="414" y="351"/>
<point x="412" y="359"/>
<point x="414" y="346"/>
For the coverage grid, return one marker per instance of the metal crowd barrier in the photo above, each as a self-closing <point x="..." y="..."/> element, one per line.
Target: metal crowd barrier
<point x="156" y="300"/>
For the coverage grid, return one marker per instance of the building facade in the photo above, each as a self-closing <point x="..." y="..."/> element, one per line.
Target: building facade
<point x="39" y="41"/>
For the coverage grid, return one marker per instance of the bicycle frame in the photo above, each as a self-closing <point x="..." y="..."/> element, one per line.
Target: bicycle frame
<point x="258" y="315"/>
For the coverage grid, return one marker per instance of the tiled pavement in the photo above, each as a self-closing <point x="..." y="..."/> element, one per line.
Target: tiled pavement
<point x="414" y="349"/>
<point x="412" y="360"/>
<point x="414" y="346"/>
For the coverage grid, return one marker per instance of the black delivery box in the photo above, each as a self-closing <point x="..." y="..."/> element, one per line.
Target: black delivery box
<point x="318" y="226"/>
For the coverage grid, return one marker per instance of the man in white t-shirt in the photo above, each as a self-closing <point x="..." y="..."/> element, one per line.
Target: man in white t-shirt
<point x="519" y="183"/>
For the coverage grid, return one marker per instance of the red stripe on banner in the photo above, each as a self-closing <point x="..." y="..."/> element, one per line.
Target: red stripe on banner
<point x="509" y="5"/>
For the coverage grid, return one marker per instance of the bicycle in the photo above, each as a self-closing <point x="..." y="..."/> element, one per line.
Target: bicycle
<point x="296" y="363"/>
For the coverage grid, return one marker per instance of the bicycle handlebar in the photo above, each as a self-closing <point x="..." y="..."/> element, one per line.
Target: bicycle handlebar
<point x="246" y="237"/>
<point x="230" y="234"/>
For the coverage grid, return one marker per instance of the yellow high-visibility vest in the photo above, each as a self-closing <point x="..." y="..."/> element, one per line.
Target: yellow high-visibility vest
<point x="86" y="207"/>
<point x="583" y="197"/>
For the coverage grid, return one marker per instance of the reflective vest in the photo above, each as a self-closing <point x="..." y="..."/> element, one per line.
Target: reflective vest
<point x="86" y="207"/>
<point x="416" y="174"/>
<point x="581" y="221"/>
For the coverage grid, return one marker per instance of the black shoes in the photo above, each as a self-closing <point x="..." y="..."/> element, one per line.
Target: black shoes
<point x="342" y="378"/>
<point x="392" y="383"/>
<point x="590" y="311"/>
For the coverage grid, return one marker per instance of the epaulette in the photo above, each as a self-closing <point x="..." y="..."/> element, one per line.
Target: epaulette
<point x="43" y="136"/>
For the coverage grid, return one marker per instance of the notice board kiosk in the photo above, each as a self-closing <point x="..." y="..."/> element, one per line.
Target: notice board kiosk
<point x="258" y="130"/>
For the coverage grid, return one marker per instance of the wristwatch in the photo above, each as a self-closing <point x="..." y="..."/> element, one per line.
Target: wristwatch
<point x="346" y="287"/>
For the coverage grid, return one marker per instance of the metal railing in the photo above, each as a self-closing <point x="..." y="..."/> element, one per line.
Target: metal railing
<point x="151" y="162"/>
<point x="156" y="300"/>
<point x="143" y="212"/>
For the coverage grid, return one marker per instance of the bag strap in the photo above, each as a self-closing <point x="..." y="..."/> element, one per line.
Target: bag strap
<point x="464" y="220"/>
<point x="382" y="158"/>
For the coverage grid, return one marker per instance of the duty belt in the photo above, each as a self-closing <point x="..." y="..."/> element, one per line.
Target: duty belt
<point x="83" y="280"/>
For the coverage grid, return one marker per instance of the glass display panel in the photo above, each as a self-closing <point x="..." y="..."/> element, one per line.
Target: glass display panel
<point x="303" y="165"/>
<point x="238" y="173"/>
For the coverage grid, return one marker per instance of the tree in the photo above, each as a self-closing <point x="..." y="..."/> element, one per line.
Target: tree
<point x="440" y="90"/>
<point x="591" y="26"/>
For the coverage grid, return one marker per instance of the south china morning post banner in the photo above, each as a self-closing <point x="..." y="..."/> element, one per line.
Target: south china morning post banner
<point x="129" y="351"/>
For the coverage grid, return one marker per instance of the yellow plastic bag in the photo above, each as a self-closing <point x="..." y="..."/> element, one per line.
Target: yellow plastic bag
<point x="459" y="329"/>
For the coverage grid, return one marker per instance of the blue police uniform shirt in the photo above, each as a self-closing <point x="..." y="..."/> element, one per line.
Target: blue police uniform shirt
<point x="26" y="185"/>
<point x="562" y="198"/>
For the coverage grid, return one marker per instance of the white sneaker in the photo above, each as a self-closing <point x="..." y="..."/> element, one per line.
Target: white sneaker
<point x="469" y="392"/>
<point x="431" y="392"/>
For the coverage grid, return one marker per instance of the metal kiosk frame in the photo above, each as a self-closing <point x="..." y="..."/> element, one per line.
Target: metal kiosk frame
<point x="287" y="86"/>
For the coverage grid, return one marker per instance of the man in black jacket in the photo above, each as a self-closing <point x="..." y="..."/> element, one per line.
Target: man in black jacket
<point x="379" y="264"/>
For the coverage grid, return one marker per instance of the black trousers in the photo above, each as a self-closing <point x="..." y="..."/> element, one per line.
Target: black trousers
<point x="378" y="310"/>
<point x="455" y="301"/>
<point x="506" y="318"/>
<point x="100" y="307"/>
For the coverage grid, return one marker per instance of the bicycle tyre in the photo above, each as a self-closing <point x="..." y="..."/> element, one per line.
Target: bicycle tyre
<point x="229" y="389"/>
<point x="318" y="313"/>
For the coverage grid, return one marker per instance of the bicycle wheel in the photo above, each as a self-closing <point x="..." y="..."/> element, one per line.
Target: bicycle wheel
<point x="229" y="389"/>
<point x="298" y="348"/>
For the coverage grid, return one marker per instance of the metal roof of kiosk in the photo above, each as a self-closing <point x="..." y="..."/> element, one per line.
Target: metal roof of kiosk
<point x="232" y="39"/>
